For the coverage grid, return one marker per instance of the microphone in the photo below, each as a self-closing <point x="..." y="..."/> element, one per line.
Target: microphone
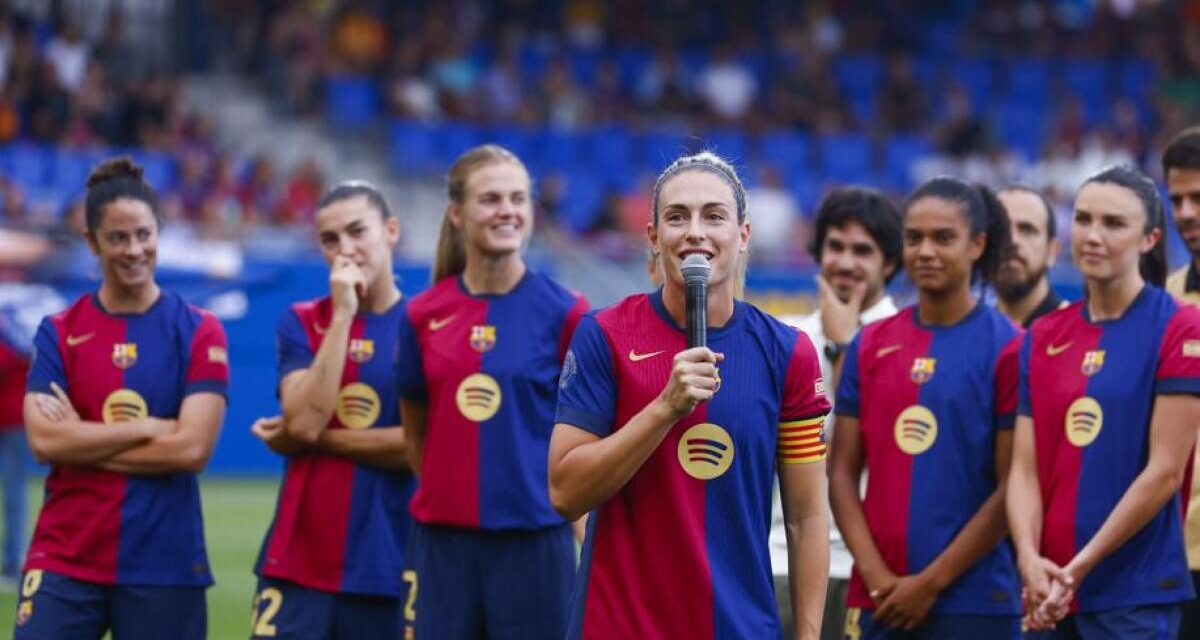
<point x="695" y="280"/>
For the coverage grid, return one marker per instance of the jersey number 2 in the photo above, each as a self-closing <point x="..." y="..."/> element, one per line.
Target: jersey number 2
<point x="410" y="603"/>
<point x="262" y="625"/>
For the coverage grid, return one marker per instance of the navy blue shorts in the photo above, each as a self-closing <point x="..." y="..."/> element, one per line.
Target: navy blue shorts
<point x="285" y="610"/>
<point x="1156" y="622"/>
<point x="938" y="626"/>
<point x="55" y="607"/>
<point x="473" y="584"/>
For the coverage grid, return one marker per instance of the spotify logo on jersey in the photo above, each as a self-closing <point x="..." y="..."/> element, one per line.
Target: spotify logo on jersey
<point x="916" y="430"/>
<point x="124" y="405"/>
<point x="358" y="406"/>
<point x="705" y="451"/>
<point x="478" y="397"/>
<point x="1084" y="420"/>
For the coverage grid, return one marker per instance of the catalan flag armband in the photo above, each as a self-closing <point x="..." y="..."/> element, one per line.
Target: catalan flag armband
<point x="802" y="441"/>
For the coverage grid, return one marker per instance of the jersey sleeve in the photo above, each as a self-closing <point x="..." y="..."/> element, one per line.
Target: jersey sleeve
<point x="46" y="365"/>
<point x="208" y="364"/>
<point x="1179" y="356"/>
<point x="1007" y="380"/>
<point x="587" y="396"/>
<point x="294" y="351"/>
<point x="847" y="388"/>
<point x="802" y="416"/>
<point x="410" y="374"/>
<point x="574" y="314"/>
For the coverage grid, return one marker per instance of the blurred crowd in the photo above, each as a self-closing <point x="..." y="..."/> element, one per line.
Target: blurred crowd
<point x="66" y="102"/>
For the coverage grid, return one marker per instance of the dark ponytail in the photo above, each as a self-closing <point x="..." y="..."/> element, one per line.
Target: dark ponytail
<point x="1153" y="264"/>
<point x="984" y="214"/>
<point x="112" y="180"/>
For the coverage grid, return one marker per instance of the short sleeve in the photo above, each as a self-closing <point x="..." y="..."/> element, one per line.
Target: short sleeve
<point x="574" y="314"/>
<point x="847" y="389"/>
<point x="1024" y="402"/>
<point x="208" y="362"/>
<point x="1007" y="380"/>
<point x="410" y="375"/>
<point x="294" y="351"/>
<point x="1179" y="356"/>
<point x="804" y="386"/>
<point x="587" y="395"/>
<point x="47" y="364"/>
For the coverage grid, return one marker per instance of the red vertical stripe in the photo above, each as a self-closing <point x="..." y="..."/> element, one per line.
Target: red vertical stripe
<point x="308" y="540"/>
<point x="448" y="492"/>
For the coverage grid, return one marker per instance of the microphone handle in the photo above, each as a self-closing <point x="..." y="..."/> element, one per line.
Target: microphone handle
<point x="697" y="315"/>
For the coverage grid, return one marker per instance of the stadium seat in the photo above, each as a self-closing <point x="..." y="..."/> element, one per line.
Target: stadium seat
<point x="631" y="63"/>
<point x="977" y="76"/>
<point x="72" y="166"/>
<point x="900" y="152"/>
<point x="352" y="102"/>
<point x="413" y="147"/>
<point x="660" y="147"/>
<point x="1136" y="77"/>
<point x="452" y="139"/>
<point x="583" y="67"/>
<point x="1021" y="127"/>
<point x="159" y="168"/>
<point x="30" y="165"/>
<point x="730" y="144"/>
<point x="1030" y="79"/>
<point x="520" y="139"/>
<point x="789" y="152"/>
<point x="845" y="157"/>
<point x="582" y="200"/>
<point x="559" y="149"/>
<point x="858" y="77"/>
<point x="610" y="151"/>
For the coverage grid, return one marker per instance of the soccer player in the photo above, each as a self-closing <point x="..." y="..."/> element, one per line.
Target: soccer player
<point x="677" y="459"/>
<point x="125" y="398"/>
<point x="925" y="405"/>
<point x="332" y="564"/>
<point x="1181" y="168"/>
<point x="1023" y="289"/>
<point x="482" y="351"/>
<point x="856" y="242"/>
<point x="1108" y="418"/>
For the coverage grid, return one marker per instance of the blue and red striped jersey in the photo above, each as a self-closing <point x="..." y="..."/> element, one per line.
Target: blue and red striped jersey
<point x="1090" y="389"/>
<point x="929" y="401"/>
<point x="341" y="526"/>
<point x="488" y="367"/>
<point x="681" y="550"/>
<point x="114" y="528"/>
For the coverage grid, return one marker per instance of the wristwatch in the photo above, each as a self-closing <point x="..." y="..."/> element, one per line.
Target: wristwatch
<point x="834" y="350"/>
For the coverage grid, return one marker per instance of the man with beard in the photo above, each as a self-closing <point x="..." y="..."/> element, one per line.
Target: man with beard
<point x="857" y="243"/>
<point x="1181" y="170"/>
<point x="1022" y="288"/>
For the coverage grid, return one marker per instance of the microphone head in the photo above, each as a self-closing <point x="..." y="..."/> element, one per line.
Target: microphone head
<point x="695" y="269"/>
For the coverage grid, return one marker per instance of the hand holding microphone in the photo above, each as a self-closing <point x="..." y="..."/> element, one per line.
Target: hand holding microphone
<point x="694" y="375"/>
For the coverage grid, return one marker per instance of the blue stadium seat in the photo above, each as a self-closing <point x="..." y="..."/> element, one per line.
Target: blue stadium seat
<point x="72" y="166"/>
<point x="1030" y="79"/>
<point x="631" y="63"/>
<point x="452" y="140"/>
<point x="30" y="165"/>
<point x="352" y="102"/>
<point x="846" y="157"/>
<point x="789" y="152"/>
<point x="977" y="76"/>
<point x="1021" y="127"/>
<point x="858" y="77"/>
<point x="413" y="147"/>
<point x="519" y="139"/>
<point x="728" y="143"/>
<point x="1087" y="78"/>
<point x="582" y="200"/>
<point x="159" y="168"/>
<point x="559" y="149"/>
<point x="900" y="152"/>
<point x="660" y="147"/>
<point x="583" y="67"/>
<point x="610" y="150"/>
<point x="533" y="60"/>
<point x="807" y="190"/>
<point x="1135" y="77"/>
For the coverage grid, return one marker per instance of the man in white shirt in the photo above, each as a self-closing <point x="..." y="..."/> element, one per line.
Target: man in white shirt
<point x="857" y="243"/>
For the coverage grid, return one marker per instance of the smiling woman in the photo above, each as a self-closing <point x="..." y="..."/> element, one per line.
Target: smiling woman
<point x="482" y="352"/>
<point x="675" y="458"/>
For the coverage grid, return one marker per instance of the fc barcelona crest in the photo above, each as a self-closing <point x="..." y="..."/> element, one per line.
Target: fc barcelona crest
<point x="124" y="354"/>
<point x="483" y="337"/>
<point x="922" y="369"/>
<point x="361" y="351"/>
<point x="1092" y="362"/>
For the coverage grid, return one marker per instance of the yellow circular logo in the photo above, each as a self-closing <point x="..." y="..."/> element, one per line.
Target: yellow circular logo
<point x="124" y="405"/>
<point x="705" y="451"/>
<point x="916" y="430"/>
<point x="358" y="406"/>
<point x="478" y="397"/>
<point x="1084" y="420"/>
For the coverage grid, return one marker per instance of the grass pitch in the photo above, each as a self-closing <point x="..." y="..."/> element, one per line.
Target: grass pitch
<point x="236" y="515"/>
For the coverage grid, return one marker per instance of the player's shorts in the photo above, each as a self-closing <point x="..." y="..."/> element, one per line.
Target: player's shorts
<point x="1128" y="623"/>
<point x="502" y="585"/>
<point x="284" y="610"/>
<point x="54" y="607"/>
<point x="860" y="625"/>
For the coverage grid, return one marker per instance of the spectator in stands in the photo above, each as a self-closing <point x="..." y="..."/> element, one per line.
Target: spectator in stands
<point x="258" y="194"/>
<point x="562" y="104"/>
<point x="68" y="54"/>
<point x="776" y="216"/>
<point x="302" y="192"/>
<point x="961" y="133"/>
<point x="1022" y="286"/>
<point x="902" y="103"/>
<point x="727" y="87"/>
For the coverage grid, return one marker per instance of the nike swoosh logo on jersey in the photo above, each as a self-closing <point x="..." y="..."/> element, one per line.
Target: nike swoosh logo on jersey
<point x="436" y="324"/>
<point x="1052" y="350"/>
<point x="888" y="349"/>
<point x="638" y="357"/>
<point x="75" y="341"/>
